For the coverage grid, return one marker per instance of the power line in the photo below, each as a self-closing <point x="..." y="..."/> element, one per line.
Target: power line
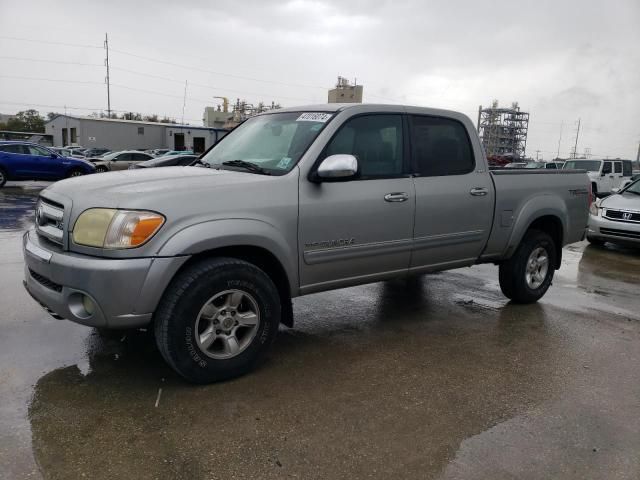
<point x="48" y="42"/>
<point x="42" y="60"/>
<point x="208" y="87"/>
<point x="40" y="79"/>
<point x="204" y="70"/>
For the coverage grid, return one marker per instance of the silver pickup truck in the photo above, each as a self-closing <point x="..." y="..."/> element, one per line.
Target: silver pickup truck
<point x="292" y="202"/>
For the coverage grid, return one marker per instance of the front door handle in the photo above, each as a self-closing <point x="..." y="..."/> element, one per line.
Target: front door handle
<point x="479" y="192"/>
<point x="396" y="197"/>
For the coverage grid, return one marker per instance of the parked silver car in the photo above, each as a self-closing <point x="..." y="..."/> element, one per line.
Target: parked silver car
<point x="616" y="218"/>
<point x="120" y="160"/>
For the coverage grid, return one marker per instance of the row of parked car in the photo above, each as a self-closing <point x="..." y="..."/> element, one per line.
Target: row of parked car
<point x="30" y="161"/>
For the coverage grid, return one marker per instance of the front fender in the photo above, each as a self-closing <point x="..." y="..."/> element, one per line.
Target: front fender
<point x="534" y="208"/>
<point x="235" y="232"/>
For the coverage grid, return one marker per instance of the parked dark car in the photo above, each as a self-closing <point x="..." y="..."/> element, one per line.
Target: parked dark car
<point x="166" y="161"/>
<point x="96" y="152"/>
<point x="30" y="161"/>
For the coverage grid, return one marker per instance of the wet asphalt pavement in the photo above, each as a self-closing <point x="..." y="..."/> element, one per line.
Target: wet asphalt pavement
<point x="431" y="377"/>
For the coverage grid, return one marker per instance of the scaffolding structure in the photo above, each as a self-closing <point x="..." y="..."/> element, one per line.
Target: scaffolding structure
<point x="503" y="131"/>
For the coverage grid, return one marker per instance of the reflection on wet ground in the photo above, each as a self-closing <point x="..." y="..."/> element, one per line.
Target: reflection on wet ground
<point x="430" y="377"/>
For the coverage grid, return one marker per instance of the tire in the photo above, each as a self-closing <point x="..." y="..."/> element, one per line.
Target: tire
<point x="3" y="178"/>
<point x="199" y="300"/>
<point x="595" y="241"/>
<point x="75" y="173"/>
<point x="525" y="282"/>
<point x="101" y="169"/>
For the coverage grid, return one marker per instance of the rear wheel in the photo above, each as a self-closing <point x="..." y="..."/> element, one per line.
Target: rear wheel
<point x="527" y="275"/>
<point x="217" y="319"/>
<point x="3" y="178"/>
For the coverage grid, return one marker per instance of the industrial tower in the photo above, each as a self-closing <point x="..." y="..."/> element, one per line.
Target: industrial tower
<point x="503" y="131"/>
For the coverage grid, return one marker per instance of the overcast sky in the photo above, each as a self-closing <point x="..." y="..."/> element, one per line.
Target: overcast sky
<point x="560" y="59"/>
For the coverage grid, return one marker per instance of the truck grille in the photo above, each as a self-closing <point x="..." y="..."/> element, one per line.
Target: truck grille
<point x="614" y="232"/>
<point x="622" y="216"/>
<point x="49" y="217"/>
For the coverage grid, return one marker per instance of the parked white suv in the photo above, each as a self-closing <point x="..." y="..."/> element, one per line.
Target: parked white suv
<point x="605" y="175"/>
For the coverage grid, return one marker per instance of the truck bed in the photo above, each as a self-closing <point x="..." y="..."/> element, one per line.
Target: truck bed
<point x="521" y="193"/>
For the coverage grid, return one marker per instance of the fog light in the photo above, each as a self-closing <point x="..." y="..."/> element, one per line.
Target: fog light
<point x="88" y="305"/>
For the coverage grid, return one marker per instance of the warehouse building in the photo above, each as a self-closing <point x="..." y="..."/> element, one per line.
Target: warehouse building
<point x="116" y="134"/>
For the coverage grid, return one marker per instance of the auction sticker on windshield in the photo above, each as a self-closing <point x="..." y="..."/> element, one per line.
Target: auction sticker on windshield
<point x="314" y="117"/>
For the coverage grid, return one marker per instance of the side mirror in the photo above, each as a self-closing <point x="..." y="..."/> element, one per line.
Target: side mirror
<point x="337" y="167"/>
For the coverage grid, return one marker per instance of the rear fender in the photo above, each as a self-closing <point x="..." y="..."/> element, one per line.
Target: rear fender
<point x="535" y="208"/>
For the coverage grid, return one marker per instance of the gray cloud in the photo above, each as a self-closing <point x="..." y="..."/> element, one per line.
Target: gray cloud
<point x="561" y="60"/>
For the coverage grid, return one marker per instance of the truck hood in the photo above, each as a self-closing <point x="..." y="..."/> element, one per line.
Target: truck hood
<point x="148" y="186"/>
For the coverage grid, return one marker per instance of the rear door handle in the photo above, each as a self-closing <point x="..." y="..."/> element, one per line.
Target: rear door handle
<point x="396" y="197"/>
<point x="478" y="192"/>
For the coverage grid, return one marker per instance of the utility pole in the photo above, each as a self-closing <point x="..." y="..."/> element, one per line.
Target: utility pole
<point x="575" y="147"/>
<point x="106" y="62"/>
<point x="559" y="140"/>
<point x="184" y="101"/>
<point x="537" y="154"/>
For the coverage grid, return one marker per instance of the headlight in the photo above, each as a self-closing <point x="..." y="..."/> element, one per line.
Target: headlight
<point x="111" y="228"/>
<point x="594" y="209"/>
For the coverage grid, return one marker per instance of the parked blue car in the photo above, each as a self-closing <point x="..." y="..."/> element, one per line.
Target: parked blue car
<point x="30" y="161"/>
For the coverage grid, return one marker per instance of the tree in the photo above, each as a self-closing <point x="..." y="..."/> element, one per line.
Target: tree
<point x="26" y="121"/>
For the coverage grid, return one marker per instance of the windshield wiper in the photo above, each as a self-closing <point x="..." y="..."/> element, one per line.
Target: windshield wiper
<point x="251" y="167"/>
<point x="200" y="162"/>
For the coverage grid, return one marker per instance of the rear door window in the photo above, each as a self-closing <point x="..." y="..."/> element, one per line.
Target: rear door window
<point x="440" y="146"/>
<point x="618" y="167"/>
<point x="627" y="168"/>
<point x="19" y="149"/>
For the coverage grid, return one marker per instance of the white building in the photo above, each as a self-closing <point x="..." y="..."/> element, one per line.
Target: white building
<point x="116" y="134"/>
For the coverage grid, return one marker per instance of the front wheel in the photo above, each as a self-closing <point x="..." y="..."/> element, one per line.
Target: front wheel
<point x="217" y="319"/>
<point x="75" y="173"/>
<point x="3" y="178"/>
<point x="101" y="169"/>
<point x="527" y="275"/>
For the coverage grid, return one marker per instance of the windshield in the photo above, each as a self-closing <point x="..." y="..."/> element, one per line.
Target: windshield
<point x="275" y="142"/>
<point x="588" y="165"/>
<point x="633" y="188"/>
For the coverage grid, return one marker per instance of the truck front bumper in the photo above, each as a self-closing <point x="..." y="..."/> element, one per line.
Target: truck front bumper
<point x="98" y="292"/>
<point x="613" y="231"/>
